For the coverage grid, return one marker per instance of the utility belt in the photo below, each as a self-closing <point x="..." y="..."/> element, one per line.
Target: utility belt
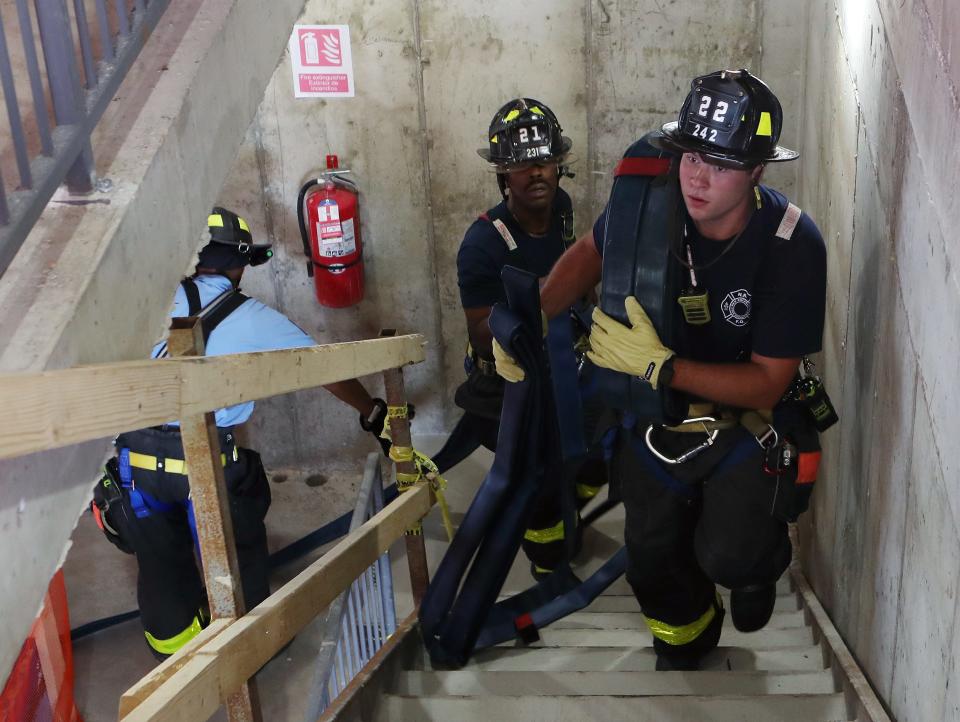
<point x="150" y="463"/>
<point x="710" y="419"/>
<point x="783" y="441"/>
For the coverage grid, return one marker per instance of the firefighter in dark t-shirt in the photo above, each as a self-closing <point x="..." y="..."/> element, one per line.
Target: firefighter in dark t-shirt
<point x="754" y="270"/>
<point x="529" y="229"/>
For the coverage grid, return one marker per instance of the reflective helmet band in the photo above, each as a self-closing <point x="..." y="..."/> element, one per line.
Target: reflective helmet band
<point x="216" y="221"/>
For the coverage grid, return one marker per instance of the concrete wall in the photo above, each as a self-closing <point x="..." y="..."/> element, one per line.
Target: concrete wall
<point x="92" y="281"/>
<point x="879" y="174"/>
<point x="430" y="75"/>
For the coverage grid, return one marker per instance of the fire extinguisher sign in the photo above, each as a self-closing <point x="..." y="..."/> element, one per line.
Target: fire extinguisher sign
<point x="321" y="61"/>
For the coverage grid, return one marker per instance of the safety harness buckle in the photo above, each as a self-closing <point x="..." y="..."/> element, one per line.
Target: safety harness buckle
<point x="690" y="453"/>
<point x="768" y="438"/>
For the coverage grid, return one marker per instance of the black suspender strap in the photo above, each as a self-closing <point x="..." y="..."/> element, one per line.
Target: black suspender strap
<point x="216" y="312"/>
<point x="193" y="296"/>
<point x="218" y="309"/>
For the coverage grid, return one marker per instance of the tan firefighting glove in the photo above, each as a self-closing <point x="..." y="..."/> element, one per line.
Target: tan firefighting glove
<point x="507" y="366"/>
<point x="635" y="349"/>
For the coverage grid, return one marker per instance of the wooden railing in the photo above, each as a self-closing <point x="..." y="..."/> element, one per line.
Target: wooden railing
<point x="59" y="408"/>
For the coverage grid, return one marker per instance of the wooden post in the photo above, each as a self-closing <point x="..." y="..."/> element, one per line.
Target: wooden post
<point x="211" y="509"/>
<point x="400" y="434"/>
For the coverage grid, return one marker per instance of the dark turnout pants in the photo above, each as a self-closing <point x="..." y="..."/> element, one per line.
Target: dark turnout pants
<point x="693" y="525"/>
<point x="170" y="587"/>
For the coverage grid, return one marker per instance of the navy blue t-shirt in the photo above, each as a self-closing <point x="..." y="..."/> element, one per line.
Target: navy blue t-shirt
<point x="766" y="295"/>
<point x="484" y="252"/>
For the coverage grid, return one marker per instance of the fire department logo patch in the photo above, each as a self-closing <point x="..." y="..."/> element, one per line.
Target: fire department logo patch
<point x="736" y="307"/>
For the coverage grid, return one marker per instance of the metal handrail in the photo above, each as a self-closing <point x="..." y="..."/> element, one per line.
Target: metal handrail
<point x="362" y="618"/>
<point x="65" y="150"/>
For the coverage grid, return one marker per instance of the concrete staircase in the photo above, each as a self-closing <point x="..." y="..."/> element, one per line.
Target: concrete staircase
<point x="599" y="665"/>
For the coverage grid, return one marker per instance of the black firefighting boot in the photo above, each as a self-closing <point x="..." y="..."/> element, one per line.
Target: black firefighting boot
<point x="686" y="657"/>
<point x="751" y="606"/>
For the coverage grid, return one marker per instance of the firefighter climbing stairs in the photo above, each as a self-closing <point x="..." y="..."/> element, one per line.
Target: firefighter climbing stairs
<point x="598" y="664"/>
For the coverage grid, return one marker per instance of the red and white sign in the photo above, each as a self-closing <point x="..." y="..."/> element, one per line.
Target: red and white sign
<point x="322" y="62"/>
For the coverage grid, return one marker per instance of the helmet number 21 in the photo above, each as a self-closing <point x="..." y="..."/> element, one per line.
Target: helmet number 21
<point x="719" y="112"/>
<point x="525" y="135"/>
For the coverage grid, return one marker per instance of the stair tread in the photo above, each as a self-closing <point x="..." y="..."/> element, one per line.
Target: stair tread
<point x="628" y="603"/>
<point x="635" y="620"/>
<point x="620" y="587"/>
<point x="599" y="659"/>
<point x="770" y="708"/>
<point x="471" y="682"/>
<point x="764" y="639"/>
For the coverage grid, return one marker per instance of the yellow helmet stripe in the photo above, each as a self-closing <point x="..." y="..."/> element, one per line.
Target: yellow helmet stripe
<point x="764" y="126"/>
<point x="216" y="220"/>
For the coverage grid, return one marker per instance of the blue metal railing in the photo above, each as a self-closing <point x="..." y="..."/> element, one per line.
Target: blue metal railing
<point x="82" y="74"/>
<point x="361" y="620"/>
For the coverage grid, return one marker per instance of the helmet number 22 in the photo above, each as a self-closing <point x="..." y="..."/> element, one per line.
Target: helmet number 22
<point x="719" y="112"/>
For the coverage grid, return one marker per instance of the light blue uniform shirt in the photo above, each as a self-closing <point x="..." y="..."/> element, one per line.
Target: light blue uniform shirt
<point x="253" y="326"/>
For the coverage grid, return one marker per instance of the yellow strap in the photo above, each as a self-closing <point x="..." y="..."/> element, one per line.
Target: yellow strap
<point x="169" y="646"/>
<point x="397" y="412"/>
<point x="545" y="536"/>
<point x="171" y="466"/>
<point x="684" y="633"/>
<point x="426" y="471"/>
<point x="586" y="491"/>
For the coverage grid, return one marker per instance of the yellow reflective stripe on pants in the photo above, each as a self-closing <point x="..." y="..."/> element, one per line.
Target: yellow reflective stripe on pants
<point x="683" y="634"/>
<point x="172" y="466"/>
<point x="545" y="536"/>
<point x="586" y="491"/>
<point x="169" y="646"/>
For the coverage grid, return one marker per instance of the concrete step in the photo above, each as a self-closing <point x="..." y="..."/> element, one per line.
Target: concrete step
<point x="769" y="708"/>
<point x="764" y="639"/>
<point x="466" y="683"/>
<point x="621" y="588"/>
<point x="600" y="659"/>
<point x="635" y="620"/>
<point x="628" y="603"/>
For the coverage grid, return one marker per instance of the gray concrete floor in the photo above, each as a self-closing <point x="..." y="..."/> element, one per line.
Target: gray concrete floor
<point x="101" y="582"/>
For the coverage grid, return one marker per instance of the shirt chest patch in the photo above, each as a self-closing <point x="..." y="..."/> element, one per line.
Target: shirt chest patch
<point x="736" y="307"/>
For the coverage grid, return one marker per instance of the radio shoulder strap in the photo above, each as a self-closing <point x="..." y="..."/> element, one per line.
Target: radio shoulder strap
<point x="788" y="223"/>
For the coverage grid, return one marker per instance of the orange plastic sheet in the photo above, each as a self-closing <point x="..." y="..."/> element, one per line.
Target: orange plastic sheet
<point x="40" y="686"/>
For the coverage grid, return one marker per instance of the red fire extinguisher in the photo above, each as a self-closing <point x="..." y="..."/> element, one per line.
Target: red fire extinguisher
<point x="328" y="213"/>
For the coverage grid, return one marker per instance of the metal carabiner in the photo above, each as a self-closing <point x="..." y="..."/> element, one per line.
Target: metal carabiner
<point x="690" y="453"/>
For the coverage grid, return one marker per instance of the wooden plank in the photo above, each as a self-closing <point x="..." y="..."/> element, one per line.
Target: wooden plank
<point x="867" y="699"/>
<point x="59" y="408"/>
<point x="170" y="666"/>
<point x="218" y="551"/>
<point x="234" y="378"/>
<point x="214" y="522"/>
<point x="248" y="643"/>
<point x="396" y="394"/>
<point x="189" y="695"/>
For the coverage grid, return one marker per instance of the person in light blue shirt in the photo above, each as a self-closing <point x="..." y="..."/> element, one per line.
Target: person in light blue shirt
<point x="143" y="505"/>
